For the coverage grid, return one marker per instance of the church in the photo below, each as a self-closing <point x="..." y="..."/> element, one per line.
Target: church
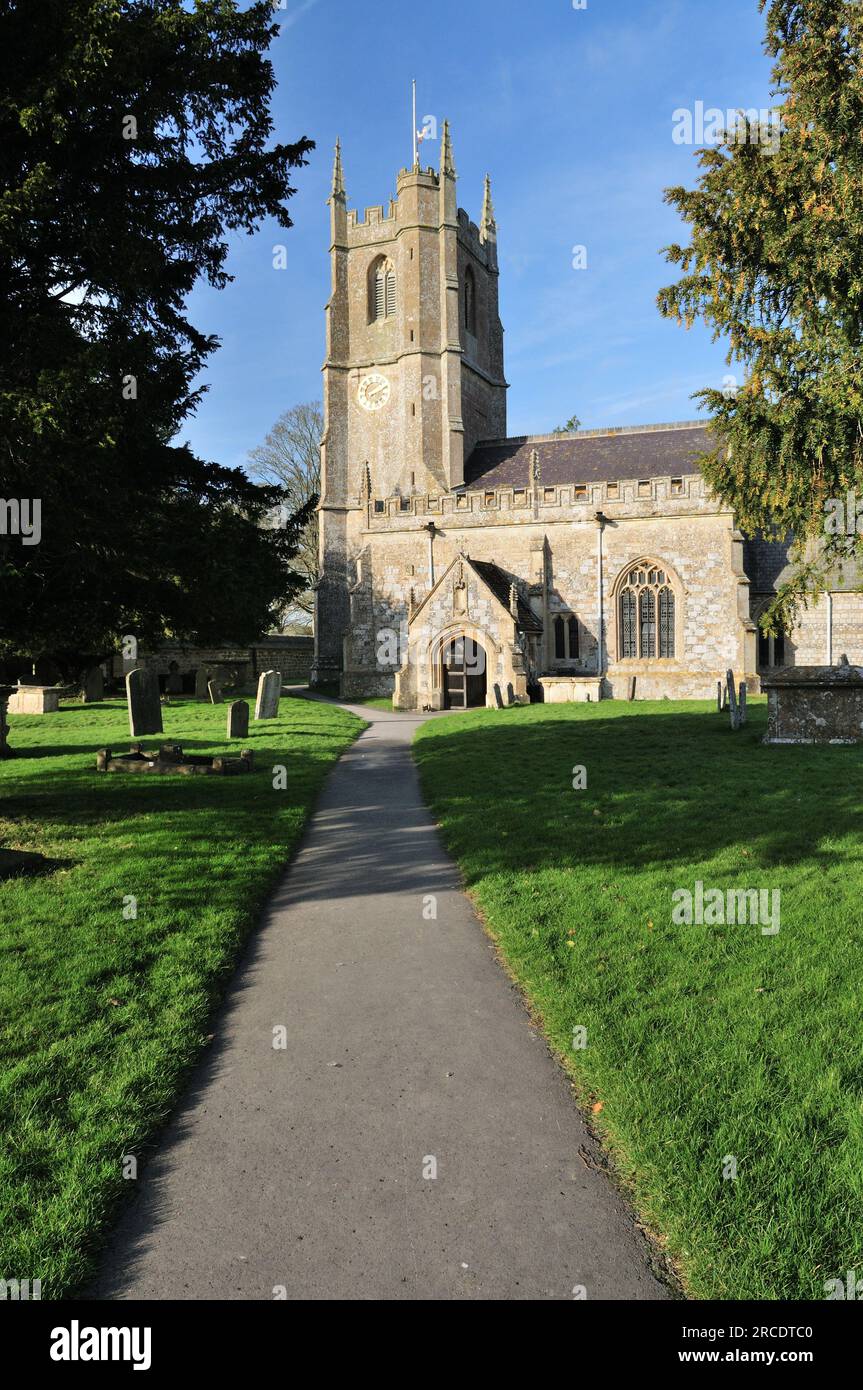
<point x="461" y="567"/>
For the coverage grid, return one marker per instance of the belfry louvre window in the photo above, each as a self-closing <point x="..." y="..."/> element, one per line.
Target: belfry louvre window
<point x="382" y="291"/>
<point x="470" y="302"/>
<point x="647" y="616"/>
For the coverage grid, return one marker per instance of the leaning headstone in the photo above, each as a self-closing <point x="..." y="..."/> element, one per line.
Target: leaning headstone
<point x="238" y="719"/>
<point x="719" y="697"/>
<point x="269" y="693"/>
<point x="632" y="689"/>
<point x="202" y="679"/>
<point x="732" y="700"/>
<point x="145" y="708"/>
<point x="94" y="686"/>
<point x="214" y="690"/>
<point x="741" y="705"/>
<point x="498" y="697"/>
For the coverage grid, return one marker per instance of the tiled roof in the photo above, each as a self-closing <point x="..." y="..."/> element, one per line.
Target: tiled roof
<point x="658" y="451"/>
<point x="499" y="583"/>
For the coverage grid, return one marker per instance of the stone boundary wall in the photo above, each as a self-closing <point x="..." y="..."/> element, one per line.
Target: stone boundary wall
<point x="291" y="656"/>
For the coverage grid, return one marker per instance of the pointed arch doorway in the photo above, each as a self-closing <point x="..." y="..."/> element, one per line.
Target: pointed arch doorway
<point x="465" y="674"/>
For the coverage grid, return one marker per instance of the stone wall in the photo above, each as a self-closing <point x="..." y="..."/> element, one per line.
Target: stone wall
<point x="809" y="644"/>
<point x="240" y="666"/>
<point x="547" y="541"/>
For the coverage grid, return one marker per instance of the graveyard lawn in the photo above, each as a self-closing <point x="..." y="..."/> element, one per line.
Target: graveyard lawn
<point x="102" y="1012"/>
<point x="707" y="1047"/>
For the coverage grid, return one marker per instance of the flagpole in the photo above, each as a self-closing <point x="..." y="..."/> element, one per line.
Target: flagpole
<point x="416" y="157"/>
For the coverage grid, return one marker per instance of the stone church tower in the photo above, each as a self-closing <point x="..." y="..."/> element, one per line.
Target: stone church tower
<point x="413" y="376"/>
<point x="462" y="568"/>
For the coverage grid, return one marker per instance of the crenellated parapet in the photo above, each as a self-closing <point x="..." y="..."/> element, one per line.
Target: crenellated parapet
<point x="553" y="504"/>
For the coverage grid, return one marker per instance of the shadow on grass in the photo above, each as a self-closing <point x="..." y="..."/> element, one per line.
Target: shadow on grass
<point x="661" y="789"/>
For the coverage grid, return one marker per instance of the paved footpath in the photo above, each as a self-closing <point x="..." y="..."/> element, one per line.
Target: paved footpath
<point x="304" y="1167"/>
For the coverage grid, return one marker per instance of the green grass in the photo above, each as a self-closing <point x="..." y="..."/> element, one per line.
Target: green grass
<point x="702" y="1042"/>
<point x="101" y="1017"/>
<point x="331" y="689"/>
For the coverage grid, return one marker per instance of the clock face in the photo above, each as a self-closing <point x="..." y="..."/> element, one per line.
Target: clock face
<point x="374" y="391"/>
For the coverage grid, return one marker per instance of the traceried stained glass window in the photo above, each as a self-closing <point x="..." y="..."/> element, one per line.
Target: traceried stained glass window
<point x="628" y="629"/>
<point x="647" y="615"/>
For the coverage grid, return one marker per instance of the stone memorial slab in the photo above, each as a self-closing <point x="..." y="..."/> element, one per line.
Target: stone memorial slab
<point x="145" y="707"/>
<point x="269" y="693"/>
<point x="214" y="690"/>
<point x="35" y="699"/>
<point x="814" y="704"/>
<point x="238" y="719"/>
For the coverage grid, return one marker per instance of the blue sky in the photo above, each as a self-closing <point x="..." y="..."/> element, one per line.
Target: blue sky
<point x="570" y="111"/>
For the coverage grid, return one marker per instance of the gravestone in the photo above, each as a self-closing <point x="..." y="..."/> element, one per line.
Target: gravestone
<point x="498" y="698"/>
<point x="145" y="708"/>
<point x="741" y="704"/>
<point x="5" y="750"/>
<point x="202" y="678"/>
<point x="238" y="719"/>
<point x="269" y="693"/>
<point x="732" y="700"/>
<point x="214" y="691"/>
<point x="719" y="697"/>
<point x="94" y="686"/>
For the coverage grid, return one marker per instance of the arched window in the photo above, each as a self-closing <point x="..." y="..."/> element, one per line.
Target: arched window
<point x="771" y="650"/>
<point x="470" y="302"/>
<point x="566" y="639"/>
<point x="647" y="615"/>
<point x="382" y="290"/>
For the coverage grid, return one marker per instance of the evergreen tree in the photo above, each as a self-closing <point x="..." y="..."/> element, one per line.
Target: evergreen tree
<point x="134" y="136"/>
<point x="775" y="267"/>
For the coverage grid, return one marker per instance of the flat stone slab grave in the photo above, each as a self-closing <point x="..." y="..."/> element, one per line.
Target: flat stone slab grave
<point x="170" y="759"/>
<point x="365" y="1045"/>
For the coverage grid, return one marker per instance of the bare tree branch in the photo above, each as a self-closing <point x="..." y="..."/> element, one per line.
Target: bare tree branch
<point x="290" y="456"/>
